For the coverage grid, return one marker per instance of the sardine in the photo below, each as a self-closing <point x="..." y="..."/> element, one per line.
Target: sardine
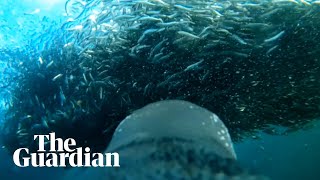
<point x="49" y="64"/>
<point x="194" y="66"/>
<point x="272" y="49"/>
<point x="57" y="77"/>
<point x="85" y="78"/>
<point x="36" y="11"/>
<point x="157" y="47"/>
<point x="277" y="36"/>
<point x="189" y="35"/>
<point x="182" y="7"/>
<point x="238" y="39"/>
<point x="150" y="19"/>
<point x="101" y="93"/>
<point x="62" y="97"/>
<point x="161" y="2"/>
<point x="40" y="60"/>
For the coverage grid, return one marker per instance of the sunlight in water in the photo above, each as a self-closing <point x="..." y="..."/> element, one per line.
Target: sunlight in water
<point x="46" y="4"/>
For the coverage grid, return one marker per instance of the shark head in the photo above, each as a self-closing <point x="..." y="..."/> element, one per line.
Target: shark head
<point x="171" y="139"/>
<point x="175" y="119"/>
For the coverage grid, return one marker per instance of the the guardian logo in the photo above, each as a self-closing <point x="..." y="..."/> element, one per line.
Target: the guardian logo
<point x="64" y="155"/>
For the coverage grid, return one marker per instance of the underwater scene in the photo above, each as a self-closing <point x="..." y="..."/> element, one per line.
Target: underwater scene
<point x="181" y="89"/>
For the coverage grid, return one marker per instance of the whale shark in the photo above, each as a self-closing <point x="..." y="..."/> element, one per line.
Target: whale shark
<point x="171" y="139"/>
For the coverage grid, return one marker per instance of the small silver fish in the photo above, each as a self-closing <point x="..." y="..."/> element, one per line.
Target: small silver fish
<point x="57" y="77"/>
<point x="62" y="97"/>
<point x="36" y="11"/>
<point x="189" y="35"/>
<point x="277" y="36"/>
<point x="49" y="64"/>
<point x="193" y="66"/>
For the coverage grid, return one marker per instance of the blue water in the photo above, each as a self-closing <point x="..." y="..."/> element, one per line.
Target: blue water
<point x="16" y="26"/>
<point x="295" y="156"/>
